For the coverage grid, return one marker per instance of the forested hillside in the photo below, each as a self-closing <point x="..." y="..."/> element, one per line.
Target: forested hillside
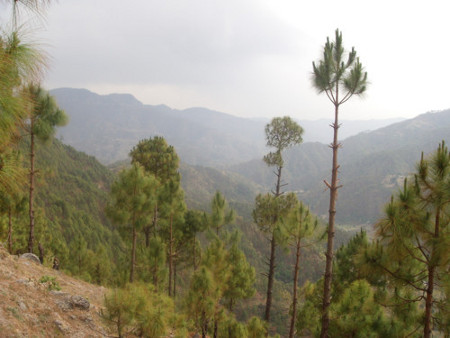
<point x="197" y="228"/>
<point x="72" y="192"/>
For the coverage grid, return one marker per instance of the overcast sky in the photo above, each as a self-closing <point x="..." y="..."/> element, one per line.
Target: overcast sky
<point x="251" y="58"/>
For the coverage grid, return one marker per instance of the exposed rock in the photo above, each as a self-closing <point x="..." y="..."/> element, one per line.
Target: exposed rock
<point x="80" y="302"/>
<point x="64" y="304"/>
<point x="31" y="257"/>
<point x="22" y="305"/>
<point x="59" y="293"/>
<point x="23" y="281"/>
<point x="61" y="324"/>
<point x="67" y="302"/>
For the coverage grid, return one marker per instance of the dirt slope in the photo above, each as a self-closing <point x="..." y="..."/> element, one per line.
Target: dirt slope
<point x="29" y="309"/>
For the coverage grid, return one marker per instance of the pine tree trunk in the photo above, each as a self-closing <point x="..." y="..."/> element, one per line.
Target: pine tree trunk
<point x="174" y="278"/>
<point x="170" y="257"/>
<point x="155" y="218"/>
<point x="31" y="210"/>
<point x="10" y="230"/>
<point x="429" y="304"/>
<point x="294" y="297"/>
<point x="133" y="254"/>
<point x="272" y="256"/>
<point x="270" y="279"/>
<point x="215" y="328"/>
<point x="230" y="305"/>
<point x="41" y="253"/>
<point x="332" y="214"/>
<point x="427" y="329"/>
<point x="204" y="325"/>
<point x="147" y="235"/>
<point x="155" y="275"/>
<point x="193" y="254"/>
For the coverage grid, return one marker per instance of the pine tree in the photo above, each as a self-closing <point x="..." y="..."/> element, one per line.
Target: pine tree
<point x="156" y="257"/>
<point x="414" y="238"/>
<point x="220" y="213"/>
<point x="194" y="222"/>
<point x="133" y="197"/>
<point x="340" y="79"/>
<point x="160" y="160"/>
<point x="299" y="225"/>
<point x="11" y="204"/>
<point x="202" y="298"/>
<point x="216" y="260"/>
<point x="240" y="283"/>
<point x="173" y="209"/>
<point x="19" y="64"/>
<point x="43" y="116"/>
<point x="281" y="133"/>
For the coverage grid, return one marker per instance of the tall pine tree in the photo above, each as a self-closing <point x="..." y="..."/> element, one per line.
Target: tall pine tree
<point x="43" y="116"/>
<point x="339" y="79"/>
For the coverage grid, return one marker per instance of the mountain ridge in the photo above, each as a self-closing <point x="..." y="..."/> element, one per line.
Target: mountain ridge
<point x="215" y="138"/>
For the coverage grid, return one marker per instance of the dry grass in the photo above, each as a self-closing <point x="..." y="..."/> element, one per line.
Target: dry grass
<point x="29" y="309"/>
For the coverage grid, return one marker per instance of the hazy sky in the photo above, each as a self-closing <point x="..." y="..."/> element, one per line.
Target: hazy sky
<point x="251" y="57"/>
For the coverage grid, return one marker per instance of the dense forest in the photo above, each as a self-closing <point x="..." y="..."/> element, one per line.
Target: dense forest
<point x="241" y="251"/>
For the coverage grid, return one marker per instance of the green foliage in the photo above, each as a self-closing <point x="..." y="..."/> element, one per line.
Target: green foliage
<point x="256" y="328"/>
<point x="308" y="317"/>
<point x="220" y="216"/>
<point x="281" y="133"/>
<point x="120" y="308"/>
<point x="157" y="158"/>
<point x="412" y="251"/>
<point x="45" y="114"/>
<point x="298" y="224"/>
<point x="51" y="282"/>
<point x="19" y="63"/>
<point x="202" y="298"/>
<point x="154" y="261"/>
<point x="132" y="196"/>
<point x="132" y="200"/>
<point x="232" y="328"/>
<point x="240" y="283"/>
<point x="138" y="308"/>
<point x="347" y="268"/>
<point x="363" y="305"/>
<point x="358" y="315"/>
<point x="333" y="72"/>
<point x="270" y="211"/>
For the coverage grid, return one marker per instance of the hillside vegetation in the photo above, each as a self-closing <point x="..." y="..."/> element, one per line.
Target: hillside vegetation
<point x="197" y="229"/>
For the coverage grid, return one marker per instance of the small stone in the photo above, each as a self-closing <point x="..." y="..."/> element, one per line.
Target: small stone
<point x="61" y="325"/>
<point x="22" y="305"/>
<point x="22" y="281"/>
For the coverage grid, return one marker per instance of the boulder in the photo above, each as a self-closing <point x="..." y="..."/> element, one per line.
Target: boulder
<point x="31" y="257"/>
<point x="67" y="302"/>
<point x="80" y="302"/>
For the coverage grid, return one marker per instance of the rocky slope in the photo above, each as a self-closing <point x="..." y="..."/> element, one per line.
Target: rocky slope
<point x="30" y="305"/>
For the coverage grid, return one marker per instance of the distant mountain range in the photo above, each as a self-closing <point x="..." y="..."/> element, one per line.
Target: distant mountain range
<point x="373" y="161"/>
<point x="108" y="126"/>
<point x="372" y="166"/>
